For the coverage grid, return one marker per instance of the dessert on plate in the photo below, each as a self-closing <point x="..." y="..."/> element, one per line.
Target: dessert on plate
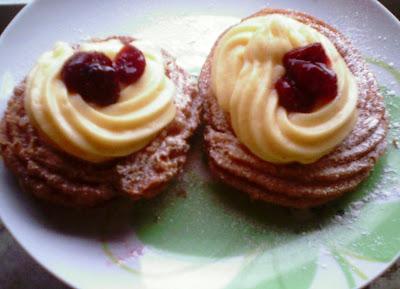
<point x="98" y="119"/>
<point x="293" y="115"/>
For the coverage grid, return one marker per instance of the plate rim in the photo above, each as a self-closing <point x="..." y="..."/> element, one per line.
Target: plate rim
<point x="28" y="7"/>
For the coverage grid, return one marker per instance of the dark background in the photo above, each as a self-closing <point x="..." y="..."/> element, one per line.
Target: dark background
<point x="393" y="6"/>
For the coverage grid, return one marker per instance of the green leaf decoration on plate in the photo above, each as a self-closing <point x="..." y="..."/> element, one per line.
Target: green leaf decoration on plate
<point x="209" y="233"/>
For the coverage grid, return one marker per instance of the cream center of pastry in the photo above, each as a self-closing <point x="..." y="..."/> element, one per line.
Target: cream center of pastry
<point x="246" y="65"/>
<point x="95" y="133"/>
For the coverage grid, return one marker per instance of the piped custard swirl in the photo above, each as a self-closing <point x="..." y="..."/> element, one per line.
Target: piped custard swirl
<point x="95" y="133"/>
<point x="248" y="62"/>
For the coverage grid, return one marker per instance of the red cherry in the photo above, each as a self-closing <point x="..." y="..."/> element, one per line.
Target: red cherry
<point x="313" y="53"/>
<point x="308" y="80"/>
<point x="313" y="78"/>
<point x="129" y="64"/>
<point x="91" y="75"/>
<point x="290" y="97"/>
<point x="96" y="78"/>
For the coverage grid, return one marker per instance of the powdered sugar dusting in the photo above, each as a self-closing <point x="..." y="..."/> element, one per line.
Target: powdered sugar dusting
<point x="188" y="38"/>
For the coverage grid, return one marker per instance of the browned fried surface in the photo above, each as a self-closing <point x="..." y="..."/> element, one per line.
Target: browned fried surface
<point x="50" y="174"/>
<point x="143" y="174"/>
<point x="298" y="185"/>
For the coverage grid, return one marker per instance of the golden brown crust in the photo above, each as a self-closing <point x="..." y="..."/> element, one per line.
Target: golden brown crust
<point x="298" y="185"/>
<point x="52" y="175"/>
<point x="144" y="174"/>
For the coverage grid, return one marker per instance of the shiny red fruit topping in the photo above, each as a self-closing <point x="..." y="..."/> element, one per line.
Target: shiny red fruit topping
<point x="97" y="79"/>
<point x="313" y="53"/>
<point x="308" y="81"/>
<point x="290" y="97"/>
<point x="92" y="75"/>
<point x="129" y="64"/>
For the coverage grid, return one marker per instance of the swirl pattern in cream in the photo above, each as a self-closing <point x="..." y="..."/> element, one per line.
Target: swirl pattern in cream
<point x="94" y="133"/>
<point x="248" y="62"/>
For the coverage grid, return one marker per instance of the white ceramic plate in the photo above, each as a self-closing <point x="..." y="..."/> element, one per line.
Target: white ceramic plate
<point x="208" y="239"/>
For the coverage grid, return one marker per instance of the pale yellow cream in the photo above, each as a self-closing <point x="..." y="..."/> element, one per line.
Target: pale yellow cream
<point x="94" y="133"/>
<point x="248" y="62"/>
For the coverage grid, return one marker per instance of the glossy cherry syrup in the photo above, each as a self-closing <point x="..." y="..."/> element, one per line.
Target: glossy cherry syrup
<point x="91" y="74"/>
<point x="308" y="81"/>
<point x="97" y="79"/>
<point x="129" y="64"/>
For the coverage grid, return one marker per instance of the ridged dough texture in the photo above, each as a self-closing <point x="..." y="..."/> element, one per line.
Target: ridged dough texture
<point x="300" y="185"/>
<point x="57" y="177"/>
